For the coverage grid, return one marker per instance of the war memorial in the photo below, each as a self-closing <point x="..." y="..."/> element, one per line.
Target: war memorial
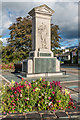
<point x="41" y="60"/>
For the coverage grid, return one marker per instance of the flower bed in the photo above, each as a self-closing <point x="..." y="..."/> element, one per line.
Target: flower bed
<point x="6" y="66"/>
<point x="35" y="96"/>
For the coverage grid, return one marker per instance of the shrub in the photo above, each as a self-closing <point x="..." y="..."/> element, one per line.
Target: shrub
<point x="6" y="66"/>
<point x="35" y="96"/>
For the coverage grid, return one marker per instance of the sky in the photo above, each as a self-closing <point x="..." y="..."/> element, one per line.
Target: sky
<point x="65" y="16"/>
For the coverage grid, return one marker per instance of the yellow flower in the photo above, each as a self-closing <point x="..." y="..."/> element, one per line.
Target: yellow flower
<point x="40" y="79"/>
<point x="48" y="83"/>
<point x="66" y="92"/>
<point x="12" y="81"/>
<point x="37" y="89"/>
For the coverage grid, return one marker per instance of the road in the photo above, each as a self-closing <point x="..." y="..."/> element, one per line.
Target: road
<point x="74" y="84"/>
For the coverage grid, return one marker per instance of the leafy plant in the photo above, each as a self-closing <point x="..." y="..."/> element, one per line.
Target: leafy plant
<point x="35" y="96"/>
<point x="6" y="66"/>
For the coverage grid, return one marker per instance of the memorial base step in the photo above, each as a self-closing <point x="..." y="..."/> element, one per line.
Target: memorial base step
<point x="28" y="75"/>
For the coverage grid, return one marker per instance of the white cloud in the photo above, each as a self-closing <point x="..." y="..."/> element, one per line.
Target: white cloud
<point x="63" y="47"/>
<point x="66" y="14"/>
<point x="6" y="22"/>
<point x="4" y="40"/>
<point x="40" y="1"/>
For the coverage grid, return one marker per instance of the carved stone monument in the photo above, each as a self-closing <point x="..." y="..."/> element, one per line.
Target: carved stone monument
<point x="41" y="59"/>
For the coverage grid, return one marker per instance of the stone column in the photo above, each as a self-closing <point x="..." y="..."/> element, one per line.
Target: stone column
<point x="41" y="29"/>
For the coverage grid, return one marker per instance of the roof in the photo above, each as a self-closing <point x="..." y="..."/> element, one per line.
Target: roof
<point x="43" y="9"/>
<point x="65" y="54"/>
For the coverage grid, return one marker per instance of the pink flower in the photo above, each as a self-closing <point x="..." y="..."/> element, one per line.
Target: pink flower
<point x="12" y="101"/>
<point x="34" y="90"/>
<point x="14" y="104"/>
<point x="54" y="110"/>
<point x="12" y="96"/>
<point x="30" y="85"/>
<point x="59" y="101"/>
<point x="13" y="108"/>
<point x="54" y="82"/>
<point x="16" y="83"/>
<point x="43" y="80"/>
<point x="4" y="112"/>
<point x="69" y="95"/>
<point x="49" y="98"/>
<point x="60" y="86"/>
<point x="53" y="92"/>
<point x="25" y="81"/>
<point x="9" y="112"/>
<point x="51" y="84"/>
<point x="27" y="98"/>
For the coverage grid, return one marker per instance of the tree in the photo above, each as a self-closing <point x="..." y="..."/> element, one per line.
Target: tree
<point x="0" y="48"/>
<point x="20" y="41"/>
<point x="55" y="37"/>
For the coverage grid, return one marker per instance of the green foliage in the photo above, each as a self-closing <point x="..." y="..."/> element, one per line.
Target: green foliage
<point x="35" y="96"/>
<point x="20" y="41"/>
<point x="0" y="49"/>
<point x="55" y="37"/>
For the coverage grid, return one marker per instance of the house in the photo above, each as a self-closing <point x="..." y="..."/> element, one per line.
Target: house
<point x="66" y="56"/>
<point x="70" y="57"/>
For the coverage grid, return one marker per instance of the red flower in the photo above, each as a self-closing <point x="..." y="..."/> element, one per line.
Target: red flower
<point x="19" y="90"/>
<point x="12" y="88"/>
<point x="68" y="106"/>
<point x="71" y="99"/>
<point x="56" y="83"/>
<point x="16" y="99"/>
<point x="22" y="78"/>
<point x="74" y="107"/>
<point x="15" y="92"/>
